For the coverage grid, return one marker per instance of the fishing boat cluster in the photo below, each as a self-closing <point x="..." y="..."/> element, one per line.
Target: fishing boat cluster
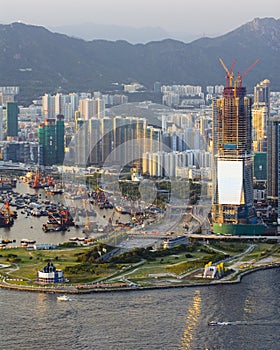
<point x="80" y="210"/>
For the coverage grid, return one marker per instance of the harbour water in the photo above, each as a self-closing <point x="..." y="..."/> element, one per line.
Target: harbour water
<point x="155" y="319"/>
<point x="30" y="227"/>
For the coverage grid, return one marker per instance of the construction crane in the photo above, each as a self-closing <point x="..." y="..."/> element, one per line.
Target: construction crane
<point x="229" y="72"/>
<point x="110" y="220"/>
<point x="238" y="82"/>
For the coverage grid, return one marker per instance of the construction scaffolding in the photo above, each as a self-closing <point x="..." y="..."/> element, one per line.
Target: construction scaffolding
<point x="232" y="152"/>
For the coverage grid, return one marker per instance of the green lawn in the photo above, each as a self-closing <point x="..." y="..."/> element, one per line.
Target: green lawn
<point x="263" y="250"/>
<point x="25" y="264"/>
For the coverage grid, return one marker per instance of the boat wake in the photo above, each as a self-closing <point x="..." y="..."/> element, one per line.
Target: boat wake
<point x="239" y="323"/>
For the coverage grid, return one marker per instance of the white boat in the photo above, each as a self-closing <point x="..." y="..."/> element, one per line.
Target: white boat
<point x="215" y="323"/>
<point x="63" y="298"/>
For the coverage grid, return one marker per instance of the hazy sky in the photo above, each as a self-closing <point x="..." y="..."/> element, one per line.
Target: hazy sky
<point x="188" y="16"/>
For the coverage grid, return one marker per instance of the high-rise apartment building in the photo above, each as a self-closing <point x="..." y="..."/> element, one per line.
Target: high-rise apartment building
<point x="273" y="158"/>
<point x="261" y="115"/>
<point x="12" y="119"/>
<point x="1" y="123"/>
<point x="260" y="167"/>
<point x="259" y="131"/>
<point x="273" y="162"/>
<point x="87" y="108"/>
<point x="114" y="141"/>
<point x="60" y="146"/>
<point x="107" y="139"/>
<point x="135" y="136"/>
<point x="232" y="209"/>
<point x="92" y="108"/>
<point x="153" y="139"/>
<point x="51" y="141"/>
<point x="278" y="171"/>
<point x="94" y="141"/>
<point x="81" y="143"/>
<point x="262" y="94"/>
<point x="7" y="94"/>
<point x="47" y="139"/>
<point x="48" y="106"/>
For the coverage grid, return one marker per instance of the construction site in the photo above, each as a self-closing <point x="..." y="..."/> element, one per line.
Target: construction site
<point x="232" y="210"/>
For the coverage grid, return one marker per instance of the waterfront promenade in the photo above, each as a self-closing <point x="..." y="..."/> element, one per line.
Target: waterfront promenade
<point x="238" y="264"/>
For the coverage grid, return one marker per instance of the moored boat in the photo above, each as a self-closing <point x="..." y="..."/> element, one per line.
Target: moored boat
<point x="53" y="227"/>
<point x="25" y="242"/>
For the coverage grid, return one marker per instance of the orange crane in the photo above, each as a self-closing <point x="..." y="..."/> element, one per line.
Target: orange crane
<point x="7" y="206"/>
<point x="37" y="180"/>
<point x="110" y="220"/>
<point x="5" y="215"/>
<point x="239" y="77"/>
<point x="87" y="223"/>
<point x="229" y="72"/>
<point x="50" y="181"/>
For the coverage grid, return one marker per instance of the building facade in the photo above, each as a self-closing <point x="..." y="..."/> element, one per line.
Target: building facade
<point x="261" y="115"/>
<point x="12" y="119"/>
<point x="50" y="274"/>
<point x="273" y="158"/>
<point x="232" y="209"/>
<point x="51" y="141"/>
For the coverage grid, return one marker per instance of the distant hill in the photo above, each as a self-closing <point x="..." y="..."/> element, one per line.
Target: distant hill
<point x="91" y="31"/>
<point x="41" y="61"/>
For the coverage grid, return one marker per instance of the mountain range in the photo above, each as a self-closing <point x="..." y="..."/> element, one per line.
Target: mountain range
<point x="91" y="31"/>
<point x="134" y="35"/>
<point x="38" y="60"/>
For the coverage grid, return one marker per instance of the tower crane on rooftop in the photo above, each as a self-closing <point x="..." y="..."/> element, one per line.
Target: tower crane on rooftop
<point x="229" y="72"/>
<point x="239" y="77"/>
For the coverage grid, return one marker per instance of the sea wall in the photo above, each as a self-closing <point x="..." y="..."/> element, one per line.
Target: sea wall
<point x="74" y="290"/>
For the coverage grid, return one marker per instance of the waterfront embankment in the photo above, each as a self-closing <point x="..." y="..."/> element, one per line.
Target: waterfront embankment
<point x="86" y="289"/>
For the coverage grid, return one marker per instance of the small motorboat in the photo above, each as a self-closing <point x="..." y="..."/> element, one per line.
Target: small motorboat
<point x="215" y="323"/>
<point x="63" y="298"/>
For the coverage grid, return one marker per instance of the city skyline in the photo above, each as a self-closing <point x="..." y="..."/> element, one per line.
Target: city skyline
<point x="176" y="17"/>
<point x="140" y="180"/>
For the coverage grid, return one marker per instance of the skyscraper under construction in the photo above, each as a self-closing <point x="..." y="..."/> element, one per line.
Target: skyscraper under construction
<point x="232" y="208"/>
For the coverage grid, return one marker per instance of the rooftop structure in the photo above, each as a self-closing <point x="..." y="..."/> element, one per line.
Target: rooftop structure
<point x="50" y="274"/>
